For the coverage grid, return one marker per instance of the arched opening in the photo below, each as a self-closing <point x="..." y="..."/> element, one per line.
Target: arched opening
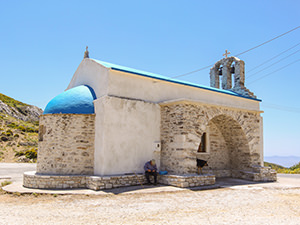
<point x="228" y="146"/>
<point x="220" y="73"/>
<point x="203" y="146"/>
<point x="232" y="72"/>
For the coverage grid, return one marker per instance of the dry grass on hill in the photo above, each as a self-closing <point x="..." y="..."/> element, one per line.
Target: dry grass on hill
<point x="18" y="139"/>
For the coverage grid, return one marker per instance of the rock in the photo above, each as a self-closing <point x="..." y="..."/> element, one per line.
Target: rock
<point x="23" y="159"/>
<point x="25" y="113"/>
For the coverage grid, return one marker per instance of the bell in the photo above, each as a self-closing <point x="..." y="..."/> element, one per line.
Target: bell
<point x="232" y="69"/>
<point x="220" y="71"/>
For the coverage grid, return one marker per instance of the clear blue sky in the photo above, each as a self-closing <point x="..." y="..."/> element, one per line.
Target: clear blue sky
<point x="42" y="43"/>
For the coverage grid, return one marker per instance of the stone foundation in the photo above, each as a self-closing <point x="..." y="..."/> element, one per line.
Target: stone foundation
<point x="218" y="173"/>
<point x="258" y="174"/>
<point x="34" y="180"/>
<point x="189" y="180"/>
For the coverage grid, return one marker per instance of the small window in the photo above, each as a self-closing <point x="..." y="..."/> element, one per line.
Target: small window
<point x="203" y="144"/>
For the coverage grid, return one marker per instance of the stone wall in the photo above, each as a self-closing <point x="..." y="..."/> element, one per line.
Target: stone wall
<point x="235" y="137"/>
<point x="264" y="174"/>
<point x="226" y="65"/>
<point x="188" y="180"/>
<point x="66" y="144"/>
<point x="218" y="156"/>
<point x="33" y="180"/>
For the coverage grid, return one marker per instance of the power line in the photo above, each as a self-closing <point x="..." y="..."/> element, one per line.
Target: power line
<point x="280" y="107"/>
<point x="273" y="72"/>
<point x="194" y="71"/>
<point x="248" y="71"/>
<point x="273" y="63"/>
<point x="268" y="41"/>
<point x="185" y="74"/>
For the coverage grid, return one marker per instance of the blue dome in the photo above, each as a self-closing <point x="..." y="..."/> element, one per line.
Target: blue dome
<point x="78" y="100"/>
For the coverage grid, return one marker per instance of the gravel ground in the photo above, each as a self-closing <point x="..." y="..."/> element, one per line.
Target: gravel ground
<point x="236" y="205"/>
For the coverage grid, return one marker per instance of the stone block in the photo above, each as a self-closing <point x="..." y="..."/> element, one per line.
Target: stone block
<point x="108" y="186"/>
<point x="184" y="184"/>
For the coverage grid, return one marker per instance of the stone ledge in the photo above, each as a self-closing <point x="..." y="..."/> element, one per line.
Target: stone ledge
<point x="258" y="174"/>
<point x="187" y="180"/>
<point x="43" y="181"/>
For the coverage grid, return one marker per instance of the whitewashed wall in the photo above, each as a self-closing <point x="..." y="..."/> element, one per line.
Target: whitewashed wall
<point x="92" y="74"/>
<point x="134" y="86"/>
<point x="125" y="135"/>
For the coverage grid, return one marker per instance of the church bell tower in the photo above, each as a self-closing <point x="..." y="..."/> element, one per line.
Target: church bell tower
<point x="230" y="72"/>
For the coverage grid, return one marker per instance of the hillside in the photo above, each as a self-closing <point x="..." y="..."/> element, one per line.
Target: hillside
<point x="286" y="161"/>
<point x="19" y="110"/>
<point x="281" y="169"/>
<point x="18" y="130"/>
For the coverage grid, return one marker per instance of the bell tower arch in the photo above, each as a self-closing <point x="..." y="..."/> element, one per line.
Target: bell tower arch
<point x="227" y="69"/>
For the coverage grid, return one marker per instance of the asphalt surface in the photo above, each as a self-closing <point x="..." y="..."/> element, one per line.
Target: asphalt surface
<point x="14" y="172"/>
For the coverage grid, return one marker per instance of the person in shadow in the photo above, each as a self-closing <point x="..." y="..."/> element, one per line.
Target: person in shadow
<point x="151" y="169"/>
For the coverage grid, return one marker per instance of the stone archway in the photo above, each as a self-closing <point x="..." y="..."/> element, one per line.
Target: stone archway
<point x="228" y="146"/>
<point x="237" y="131"/>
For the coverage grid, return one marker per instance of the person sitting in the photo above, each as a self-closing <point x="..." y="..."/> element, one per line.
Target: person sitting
<point x="151" y="169"/>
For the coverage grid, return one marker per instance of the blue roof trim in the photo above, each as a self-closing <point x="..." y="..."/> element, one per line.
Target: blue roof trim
<point x="163" y="78"/>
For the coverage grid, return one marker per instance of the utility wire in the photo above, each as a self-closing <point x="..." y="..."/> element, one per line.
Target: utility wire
<point x="273" y="63"/>
<point x="268" y="41"/>
<point x="280" y="107"/>
<point x="268" y="74"/>
<point x="185" y="74"/>
<point x="203" y="68"/>
<point x="248" y="71"/>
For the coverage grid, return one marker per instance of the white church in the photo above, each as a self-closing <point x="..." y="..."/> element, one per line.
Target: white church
<point x="112" y="119"/>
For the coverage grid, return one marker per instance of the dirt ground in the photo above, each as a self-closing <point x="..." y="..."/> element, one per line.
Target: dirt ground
<point x="236" y="205"/>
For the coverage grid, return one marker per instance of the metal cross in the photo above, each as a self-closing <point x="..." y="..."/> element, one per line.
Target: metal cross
<point x="226" y="53"/>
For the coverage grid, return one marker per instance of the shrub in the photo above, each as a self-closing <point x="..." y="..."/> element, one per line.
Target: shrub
<point x="12" y="125"/>
<point x="21" y="128"/>
<point x="280" y="169"/>
<point x="29" y="154"/>
<point x="4" y="183"/>
<point x="3" y="138"/>
<point x="32" y="130"/>
<point x="297" y="166"/>
<point x="20" y="153"/>
<point x="9" y="133"/>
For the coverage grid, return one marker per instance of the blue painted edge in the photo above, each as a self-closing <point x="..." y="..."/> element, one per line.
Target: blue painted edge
<point x="92" y="91"/>
<point x="159" y="77"/>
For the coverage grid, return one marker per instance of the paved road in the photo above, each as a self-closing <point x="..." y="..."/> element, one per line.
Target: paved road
<point x="15" y="170"/>
<point x="294" y="176"/>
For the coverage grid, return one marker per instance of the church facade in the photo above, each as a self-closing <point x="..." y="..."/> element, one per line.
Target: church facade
<point x="112" y="119"/>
